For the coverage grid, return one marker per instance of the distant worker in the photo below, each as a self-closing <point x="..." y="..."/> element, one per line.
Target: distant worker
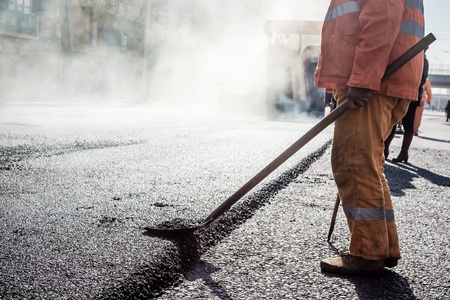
<point x="426" y="98"/>
<point x="447" y="110"/>
<point x="359" y="40"/>
<point x="408" y="122"/>
<point x="330" y="102"/>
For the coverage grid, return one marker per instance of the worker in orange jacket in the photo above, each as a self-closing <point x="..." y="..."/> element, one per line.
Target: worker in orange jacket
<point x="359" y="39"/>
<point x="426" y="98"/>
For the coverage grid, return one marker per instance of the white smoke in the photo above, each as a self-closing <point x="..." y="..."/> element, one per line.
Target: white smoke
<point x="207" y="49"/>
<point x="222" y="58"/>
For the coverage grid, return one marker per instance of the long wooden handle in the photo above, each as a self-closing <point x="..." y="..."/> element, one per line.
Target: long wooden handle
<point x="308" y="136"/>
<point x="333" y="218"/>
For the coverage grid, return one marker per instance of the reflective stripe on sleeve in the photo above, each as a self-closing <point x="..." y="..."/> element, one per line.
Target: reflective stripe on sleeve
<point x="342" y="9"/>
<point x="390" y="215"/>
<point x="364" y="214"/>
<point x="415" y="4"/>
<point x="412" y="28"/>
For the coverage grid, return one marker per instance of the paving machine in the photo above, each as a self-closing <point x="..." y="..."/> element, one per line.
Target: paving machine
<point x="292" y="58"/>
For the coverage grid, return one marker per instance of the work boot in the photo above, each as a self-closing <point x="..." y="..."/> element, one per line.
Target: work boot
<point x="387" y="142"/>
<point x="388" y="262"/>
<point x="349" y="265"/>
<point x="403" y="156"/>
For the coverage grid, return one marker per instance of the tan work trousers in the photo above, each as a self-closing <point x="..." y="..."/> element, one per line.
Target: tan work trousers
<point x="357" y="160"/>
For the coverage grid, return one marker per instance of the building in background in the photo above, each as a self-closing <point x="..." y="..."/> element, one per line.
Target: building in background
<point x="27" y="34"/>
<point x="77" y="47"/>
<point x="108" y="45"/>
<point x="102" y="44"/>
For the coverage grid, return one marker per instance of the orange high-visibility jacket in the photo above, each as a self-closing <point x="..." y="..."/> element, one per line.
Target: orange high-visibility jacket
<point x="427" y="95"/>
<point x="360" y="38"/>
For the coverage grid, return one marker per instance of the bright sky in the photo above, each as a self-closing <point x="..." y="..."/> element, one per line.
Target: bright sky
<point x="437" y="21"/>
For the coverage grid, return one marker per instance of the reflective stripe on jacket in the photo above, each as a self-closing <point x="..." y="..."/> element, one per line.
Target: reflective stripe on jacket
<point x="360" y="38"/>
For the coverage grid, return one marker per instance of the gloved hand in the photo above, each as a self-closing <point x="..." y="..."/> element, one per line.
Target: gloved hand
<point x="358" y="97"/>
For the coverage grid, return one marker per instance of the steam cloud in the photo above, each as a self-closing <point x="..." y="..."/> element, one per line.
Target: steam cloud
<point x="209" y="48"/>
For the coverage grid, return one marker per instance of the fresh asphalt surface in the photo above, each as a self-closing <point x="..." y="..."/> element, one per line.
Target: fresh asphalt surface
<point x="78" y="184"/>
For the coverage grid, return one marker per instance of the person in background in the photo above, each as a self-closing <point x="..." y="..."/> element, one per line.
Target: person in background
<point x="330" y="102"/>
<point x="426" y="98"/>
<point x="447" y="110"/>
<point x="408" y="122"/>
<point x="359" y="40"/>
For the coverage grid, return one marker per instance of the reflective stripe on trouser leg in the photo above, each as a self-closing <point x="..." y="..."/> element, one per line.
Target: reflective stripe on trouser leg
<point x="357" y="161"/>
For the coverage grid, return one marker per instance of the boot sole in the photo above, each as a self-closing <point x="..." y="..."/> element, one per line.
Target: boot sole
<point x="348" y="271"/>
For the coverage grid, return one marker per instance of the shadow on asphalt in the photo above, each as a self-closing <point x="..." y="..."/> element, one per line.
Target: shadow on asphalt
<point x="390" y="285"/>
<point x="434" y="140"/>
<point x="400" y="177"/>
<point x="205" y="275"/>
<point x="335" y="250"/>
